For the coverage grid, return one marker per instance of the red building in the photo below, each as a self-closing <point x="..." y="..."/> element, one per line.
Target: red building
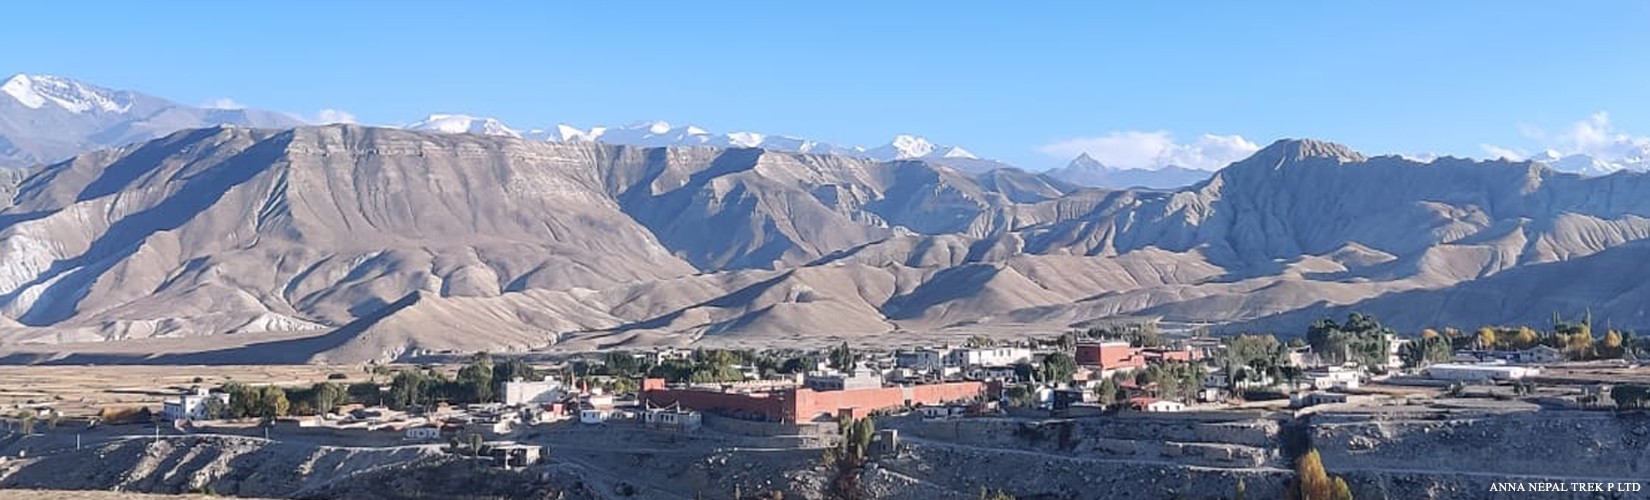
<point x="1160" y="354"/>
<point x="1107" y="356"/>
<point x="801" y="404"/>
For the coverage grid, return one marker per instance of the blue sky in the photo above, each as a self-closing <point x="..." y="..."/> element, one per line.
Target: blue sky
<point x="1029" y="85"/>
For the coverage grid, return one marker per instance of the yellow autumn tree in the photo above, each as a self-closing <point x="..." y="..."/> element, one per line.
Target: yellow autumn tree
<point x="1527" y="337"/>
<point x="1340" y="490"/>
<point x="1486" y="338"/>
<point x="1312" y="482"/>
<point x="1580" y="344"/>
<point x="1429" y="333"/>
<point x="1611" y="345"/>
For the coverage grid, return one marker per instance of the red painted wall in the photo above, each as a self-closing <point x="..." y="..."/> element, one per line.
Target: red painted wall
<point x="801" y="404"/>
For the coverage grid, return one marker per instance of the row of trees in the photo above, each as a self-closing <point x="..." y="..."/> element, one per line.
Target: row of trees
<point x="1574" y="339"/>
<point x="1173" y="380"/>
<point x="1259" y="358"/>
<point x="1360" y="339"/>
<point x="479" y="381"/>
<point x="1424" y="351"/>
<point x="711" y="365"/>
<point x="247" y="401"/>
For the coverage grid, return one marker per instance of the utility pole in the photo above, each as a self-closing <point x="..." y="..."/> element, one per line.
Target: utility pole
<point x="77" y="441"/>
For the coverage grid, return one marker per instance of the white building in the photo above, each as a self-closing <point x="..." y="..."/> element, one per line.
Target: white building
<point x="666" y="354"/>
<point x="1304" y="400"/>
<point x="520" y="392"/>
<point x="942" y="411"/>
<point x="674" y="418"/>
<point x="424" y="433"/>
<point x="857" y="378"/>
<point x="1479" y="372"/>
<point x="1394" y="346"/>
<point x="920" y="359"/>
<point x="1334" y="377"/>
<point x="1154" y="405"/>
<point x="191" y="405"/>
<point x="595" y="415"/>
<point x="989" y="356"/>
<point x="1541" y="354"/>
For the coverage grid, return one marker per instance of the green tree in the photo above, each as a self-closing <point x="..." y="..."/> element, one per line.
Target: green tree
<point x="1243" y="350"/>
<point x="843" y="357"/>
<point x="475" y="380"/>
<point x="1058" y="367"/>
<point x="26" y="419"/>
<point x="622" y="385"/>
<point x="795" y="365"/>
<point x="328" y="396"/>
<point x="848" y="458"/>
<point x="1361" y="339"/>
<point x="1424" y="351"/>
<point x="621" y="363"/>
<point x="1108" y="392"/>
<point x="1020" y="396"/>
<point x="1630" y="395"/>
<point x="514" y="369"/>
<point x="215" y="408"/>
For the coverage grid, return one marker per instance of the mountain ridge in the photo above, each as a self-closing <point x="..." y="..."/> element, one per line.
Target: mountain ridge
<point x="516" y="244"/>
<point x="44" y="119"/>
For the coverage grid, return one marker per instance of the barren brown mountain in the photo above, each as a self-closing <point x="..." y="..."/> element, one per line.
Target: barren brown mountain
<point x="348" y="243"/>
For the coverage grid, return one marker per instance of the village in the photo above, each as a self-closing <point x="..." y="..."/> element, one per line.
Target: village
<point x="514" y="414"/>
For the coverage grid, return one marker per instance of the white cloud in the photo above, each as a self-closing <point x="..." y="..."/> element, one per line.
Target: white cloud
<point x="1153" y="150"/>
<point x="1593" y="136"/>
<point x="330" y="116"/>
<point x="223" y="103"/>
<point x="1498" y="152"/>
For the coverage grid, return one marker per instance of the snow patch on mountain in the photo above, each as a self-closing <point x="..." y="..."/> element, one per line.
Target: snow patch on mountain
<point x="662" y="133"/>
<point x="463" y="124"/>
<point x="1592" y="146"/>
<point x="38" y="91"/>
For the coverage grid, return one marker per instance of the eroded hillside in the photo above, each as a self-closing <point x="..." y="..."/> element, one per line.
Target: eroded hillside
<point x="388" y="242"/>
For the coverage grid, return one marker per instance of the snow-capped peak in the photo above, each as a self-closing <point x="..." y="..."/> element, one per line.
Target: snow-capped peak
<point x="746" y="139"/>
<point x="908" y="146"/>
<point x="662" y="133"/>
<point x="463" y="124"/>
<point x="75" y="97"/>
<point x="956" y="152"/>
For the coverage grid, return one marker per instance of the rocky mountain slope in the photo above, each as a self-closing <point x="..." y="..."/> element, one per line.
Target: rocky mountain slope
<point x="44" y="119"/>
<point x="385" y="242"/>
<point x="1086" y="171"/>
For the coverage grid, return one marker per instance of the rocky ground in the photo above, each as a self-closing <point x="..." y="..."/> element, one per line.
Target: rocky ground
<point x="95" y="495"/>
<point x="1437" y="454"/>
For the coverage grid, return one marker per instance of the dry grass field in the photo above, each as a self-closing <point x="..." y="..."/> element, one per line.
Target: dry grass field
<point x="84" y="390"/>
